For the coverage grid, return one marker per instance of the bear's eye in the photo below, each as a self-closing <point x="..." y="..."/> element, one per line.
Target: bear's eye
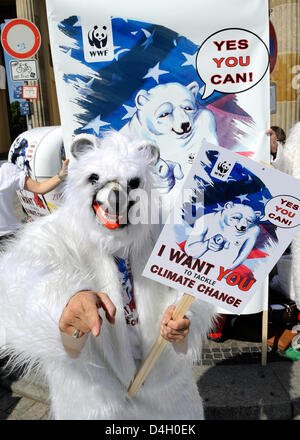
<point x="163" y="115"/>
<point x="188" y="108"/>
<point x="134" y="183"/>
<point x="93" y="178"/>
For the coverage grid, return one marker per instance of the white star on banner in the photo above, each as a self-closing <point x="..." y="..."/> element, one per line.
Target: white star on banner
<point x="219" y="207"/>
<point x="85" y="87"/>
<point x="242" y="197"/>
<point x="95" y="124"/>
<point x="116" y="57"/>
<point x="264" y="200"/>
<point x="130" y="111"/>
<point x="149" y="38"/>
<point x="190" y="59"/>
<point x="155" y="73"/>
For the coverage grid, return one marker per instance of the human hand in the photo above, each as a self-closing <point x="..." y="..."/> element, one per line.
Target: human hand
<point x="64" y="170"/>
<point x="273" y="140"/>
<point x="174" y="331"/>
<point x="81" y="313"/>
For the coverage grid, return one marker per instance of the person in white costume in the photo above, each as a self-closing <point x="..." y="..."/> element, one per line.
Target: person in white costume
<point x="12" y="178"/>
<point x="277" y="142"/>
<point x="66" y="266"/>
<point x="288" y="161"/>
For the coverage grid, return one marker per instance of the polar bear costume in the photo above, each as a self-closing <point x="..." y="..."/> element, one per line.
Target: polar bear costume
<point x="53" y="258"/>
<point x="288" y="161"/>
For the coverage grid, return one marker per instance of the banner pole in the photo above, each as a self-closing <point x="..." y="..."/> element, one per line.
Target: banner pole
<point x="158" y="347"/>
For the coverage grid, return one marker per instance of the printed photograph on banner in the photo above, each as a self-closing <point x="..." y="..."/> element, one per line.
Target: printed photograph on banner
<point x="231" y="222"/>
<point x="150" y="80"/>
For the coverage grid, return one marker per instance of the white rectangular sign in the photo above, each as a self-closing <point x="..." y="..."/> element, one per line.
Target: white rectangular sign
<point x="23" y="70"/>
<point x="30" y="92"/>
<point x="229" y="226"/>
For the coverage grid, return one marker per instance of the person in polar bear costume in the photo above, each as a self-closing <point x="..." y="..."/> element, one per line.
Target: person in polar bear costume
<point x="62" y="268"/>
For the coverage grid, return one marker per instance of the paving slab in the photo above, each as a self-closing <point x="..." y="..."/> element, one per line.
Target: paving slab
<point x="289" y="377"/>
<point x="31" y="388"/>
<point x="243" y="392"/>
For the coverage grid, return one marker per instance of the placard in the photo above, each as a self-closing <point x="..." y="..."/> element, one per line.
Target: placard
<point x="229" y="226"/>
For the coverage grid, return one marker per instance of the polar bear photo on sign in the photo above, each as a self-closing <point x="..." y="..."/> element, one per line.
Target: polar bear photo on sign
<point x="225" y="236"/>
<point x="223" y="221"/>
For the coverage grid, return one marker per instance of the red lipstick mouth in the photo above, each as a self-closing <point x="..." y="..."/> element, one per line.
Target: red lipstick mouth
<point x="111" y="221"/>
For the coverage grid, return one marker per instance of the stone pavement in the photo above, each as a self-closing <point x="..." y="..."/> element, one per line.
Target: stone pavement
<point x="235" y="385"/>
<point x="21" y="400"/>
<point x="231" y="380"/>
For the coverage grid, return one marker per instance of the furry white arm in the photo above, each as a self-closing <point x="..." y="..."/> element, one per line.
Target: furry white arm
<point x="283" y="161"/>
<point x="34" y="289"/>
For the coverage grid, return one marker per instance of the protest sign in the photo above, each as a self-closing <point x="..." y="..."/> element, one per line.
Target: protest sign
<point x="231" y="223"/>
<point x="170" y="71"/>
<point x="229" y="226"/>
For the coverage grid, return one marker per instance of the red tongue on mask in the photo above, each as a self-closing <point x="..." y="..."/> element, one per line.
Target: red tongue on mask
<point x="104" y="217"/>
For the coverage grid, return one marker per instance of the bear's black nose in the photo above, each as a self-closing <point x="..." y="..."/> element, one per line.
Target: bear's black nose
<point x="185" y="126"/>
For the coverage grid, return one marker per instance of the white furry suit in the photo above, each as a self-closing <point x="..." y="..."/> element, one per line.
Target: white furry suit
<point x="288" y="161"/>
<point x="70" y="250"/>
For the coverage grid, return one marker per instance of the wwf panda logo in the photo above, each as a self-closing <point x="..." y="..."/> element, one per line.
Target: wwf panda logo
<point x="98" y="36"/>
<point x="223" y="167"/>
<point x="191" y="157"/>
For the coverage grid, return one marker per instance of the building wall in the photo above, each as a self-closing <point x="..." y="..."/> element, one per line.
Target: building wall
<point x="285" y="17"/>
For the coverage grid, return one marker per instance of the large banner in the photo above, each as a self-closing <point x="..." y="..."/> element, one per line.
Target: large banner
<point x="175" y="73"/>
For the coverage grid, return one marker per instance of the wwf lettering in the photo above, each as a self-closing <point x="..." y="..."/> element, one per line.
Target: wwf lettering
<point x="95" y="53"/>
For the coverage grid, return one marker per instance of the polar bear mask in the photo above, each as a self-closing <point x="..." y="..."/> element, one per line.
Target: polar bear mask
<point x="107" y="179"/>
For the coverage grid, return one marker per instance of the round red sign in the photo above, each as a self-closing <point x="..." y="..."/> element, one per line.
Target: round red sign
<point x="20" y="38"/>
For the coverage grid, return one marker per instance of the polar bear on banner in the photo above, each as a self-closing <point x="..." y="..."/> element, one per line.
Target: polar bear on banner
<point x="170" y="116"/>
<point x="59" y="270"/>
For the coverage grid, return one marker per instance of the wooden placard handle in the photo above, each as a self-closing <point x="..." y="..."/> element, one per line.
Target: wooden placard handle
<point x="157" y="348"/>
